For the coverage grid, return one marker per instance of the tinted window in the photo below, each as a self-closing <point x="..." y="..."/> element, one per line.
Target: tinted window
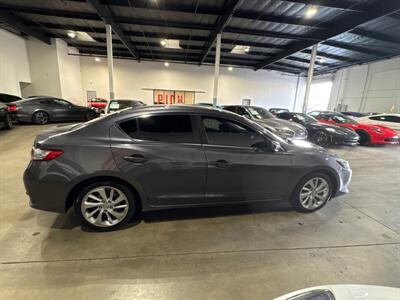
<point x="60" y="102"/>
<point x="229" y="133"/>
<point x="167" y="128"/>
<point x="386" y="119"/>
<point x="314" y="113"/>
<point x="230" y="108"/>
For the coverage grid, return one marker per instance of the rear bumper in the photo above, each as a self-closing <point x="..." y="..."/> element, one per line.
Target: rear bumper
<point x="47" y="193"/>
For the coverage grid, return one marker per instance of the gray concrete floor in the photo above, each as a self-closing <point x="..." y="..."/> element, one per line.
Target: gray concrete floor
<point x="248" y="252"/>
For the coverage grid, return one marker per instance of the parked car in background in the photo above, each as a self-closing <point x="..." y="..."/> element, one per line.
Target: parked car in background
<point x="344" y="292"/>
<point x="42" y="110"/>
<point x="6" y="98"/>
<point x="99" y="104"/>
<point x="320" y="133"/>
<point x="390" y="120"/>
<point x="118" y="104"/>
<point x="276" y="111"/>
<point x="6" y="118"/>
<point x="369" y="134"/>
<point x="266" y="119"/>
<point x="163" y="157"/>
<point x="354" y="114"/>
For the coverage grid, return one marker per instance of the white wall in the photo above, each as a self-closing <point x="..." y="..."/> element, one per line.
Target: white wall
<point x="268" y="89"/>
<point x="372" y="87"/>
<point x="44" y="69"/>
<point x="14" y="64"/>
<point x="70" y="73"/>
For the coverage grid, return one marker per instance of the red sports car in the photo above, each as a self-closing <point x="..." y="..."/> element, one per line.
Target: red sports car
<point x="369" y="134"/>
<point x="98" y="103"/>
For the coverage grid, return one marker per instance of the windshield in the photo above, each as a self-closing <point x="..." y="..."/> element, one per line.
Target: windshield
<point x="260" y="113"/>
<point x="343" y="119"/>
<point x="305" y="119"/>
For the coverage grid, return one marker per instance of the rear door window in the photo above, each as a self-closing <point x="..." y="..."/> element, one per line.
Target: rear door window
<point x="162" y="128"/>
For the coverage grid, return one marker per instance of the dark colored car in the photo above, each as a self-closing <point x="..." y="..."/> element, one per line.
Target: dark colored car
<point x="322" y="134"/>
<point x="6" y="118"/>
<point x="162" y="157"/>
<point x="47" y="109"/>
<point x="266" y="119"/>
<point x="354" y="114"/>
<point x="369" y="134"/>
<point x="6" y="98"/>
<point x="276" y="111"/>
<point x="118" y="104"/>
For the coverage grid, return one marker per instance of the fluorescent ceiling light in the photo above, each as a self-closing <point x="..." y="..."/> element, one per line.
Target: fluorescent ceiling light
<point x="239" y="49"/>
<point x="311" y="11"/>
<point x="83" y="36"/>
<point x="97" y="59"/>
<point x="71" y="34"/>
<point x="166" y="64"/>
<point x="171" y="44"/>
<point x="230" y="68"/>
<point x="321" y="59"/>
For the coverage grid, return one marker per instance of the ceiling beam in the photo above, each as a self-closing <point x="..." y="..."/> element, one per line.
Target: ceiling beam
<point x="274" y="34"/>
<point x="331" y="56"/>
<point x="375" y="10"/>
<point x="229" y="10"/>
<point x="354" y="48"/>
<point x="307" y="61"/>
<point x="376" y="36"/>
<point x="338" y="4"/>
<point x="291" y="66"/>
<point x="20" y="25"/>
<point x="106" y="15"/>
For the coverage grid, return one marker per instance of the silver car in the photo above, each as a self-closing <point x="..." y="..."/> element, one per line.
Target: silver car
<point x="162" y="157"/>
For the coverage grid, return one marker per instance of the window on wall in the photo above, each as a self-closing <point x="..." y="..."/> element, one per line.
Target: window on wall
<point x="320" y="93"/>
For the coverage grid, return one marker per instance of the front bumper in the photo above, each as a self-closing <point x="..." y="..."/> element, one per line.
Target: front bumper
<point x="381" y="140"/>
<point x="345" y="141"/>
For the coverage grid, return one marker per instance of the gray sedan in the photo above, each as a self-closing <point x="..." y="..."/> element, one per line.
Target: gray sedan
<point x="266" y="119"/>
<point x="161" y="157"/>
<point x="42" y="110"/>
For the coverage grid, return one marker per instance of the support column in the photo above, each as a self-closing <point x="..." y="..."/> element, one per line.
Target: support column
<point x="216" y="69"/>
<point x="310" y="77"/>
<point x="297" y="90"/>
<point x="110" y="61"/>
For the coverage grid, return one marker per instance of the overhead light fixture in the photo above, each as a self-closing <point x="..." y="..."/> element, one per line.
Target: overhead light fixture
<point x="239" y="49"/>
<point x="170" y="44"/>
<point x="71" y="34"/>
<point x="97" y="59"/>
<point x="230" y="68"/>
<point x="311" y="11"/>
<point x="321" y="59"/>
<point x="163" y="42"/>
<point x="166" y="64"/>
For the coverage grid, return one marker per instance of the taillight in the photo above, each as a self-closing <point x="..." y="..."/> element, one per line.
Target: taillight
<point x="11" y="107"/>
<point x="44" y="154"/>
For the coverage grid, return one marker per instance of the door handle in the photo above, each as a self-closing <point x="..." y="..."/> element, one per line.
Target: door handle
<point x="221" y="163"/>
<point x="136" y="158"/>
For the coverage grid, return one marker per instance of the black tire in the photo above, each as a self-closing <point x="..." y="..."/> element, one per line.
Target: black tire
<point x="40" y="118"/>
<point x="8" y="124"/>
<point x="365" y="138"/>
<point x="296" y="201"/>
<point x="133" y="206"/>
<point x="321" y="138"/>
<point x="90" y="115"/>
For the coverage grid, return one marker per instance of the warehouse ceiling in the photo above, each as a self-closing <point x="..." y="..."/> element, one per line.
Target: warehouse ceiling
<point x="266" y="34"/>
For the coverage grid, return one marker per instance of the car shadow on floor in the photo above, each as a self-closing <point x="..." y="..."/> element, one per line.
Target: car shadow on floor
<point x="70" y="221"/>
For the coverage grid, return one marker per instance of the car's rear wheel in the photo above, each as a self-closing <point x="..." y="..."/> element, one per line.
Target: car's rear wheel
<point x="320" y="138"/>
<point x="105" y="206"/>
<point x="8" y="122"/>
<point x="90" y="115"/>
<point x="365" y="138"/>
<point x="312" y="193"/>
<point x="40" y="118"/>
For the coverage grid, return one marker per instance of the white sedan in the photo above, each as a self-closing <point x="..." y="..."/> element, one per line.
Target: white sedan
<point x="344" y="292"/>
<point x="388" y="120"/>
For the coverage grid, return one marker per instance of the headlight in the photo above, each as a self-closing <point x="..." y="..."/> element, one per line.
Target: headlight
<point x="331" y="129"/>
<point x="343" y="163"/>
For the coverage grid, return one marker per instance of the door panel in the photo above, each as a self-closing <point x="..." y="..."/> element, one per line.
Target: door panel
<point x="248" y="175"/>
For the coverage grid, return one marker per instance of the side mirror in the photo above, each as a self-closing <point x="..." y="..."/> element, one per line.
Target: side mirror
<point x="275" y="146"/>
<point x="267" y="146"/>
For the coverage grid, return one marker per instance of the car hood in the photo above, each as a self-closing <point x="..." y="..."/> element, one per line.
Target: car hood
<point x="338" y="129"/>
<point x="279" y="124"/>
<point x="347" y="292"/>
<point x="368" y="127"/>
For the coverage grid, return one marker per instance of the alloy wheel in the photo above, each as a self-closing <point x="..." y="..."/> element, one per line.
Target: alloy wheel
<point x="41" y="117"/>
<point x="321" y="138"/>
<point x="105" y="206"/>
<point x="314" y="193"/>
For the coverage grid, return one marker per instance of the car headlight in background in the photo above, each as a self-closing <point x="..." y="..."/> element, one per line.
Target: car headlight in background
<point x="286" y="132"/>
<point x="343" y="163"/>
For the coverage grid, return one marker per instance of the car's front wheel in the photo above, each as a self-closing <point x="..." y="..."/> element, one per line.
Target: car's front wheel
<point x="312" y="192"/>
<point x="105" y="206"/>
<point x="365" y="138"/>
<point x="90" y="115"/>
